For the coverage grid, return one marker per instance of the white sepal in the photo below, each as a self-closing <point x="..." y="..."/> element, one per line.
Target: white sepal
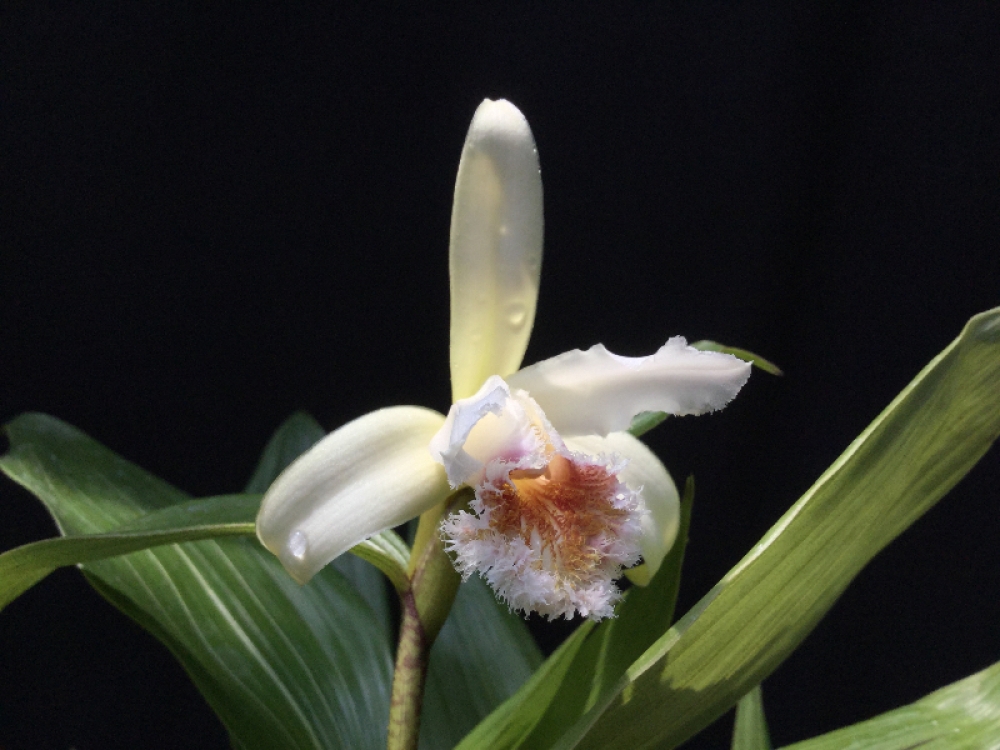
<point x="645" y="474"/>
<point x="595" y="392"/>
<point x="367" y="476"/>
<point x="496" y="247"/>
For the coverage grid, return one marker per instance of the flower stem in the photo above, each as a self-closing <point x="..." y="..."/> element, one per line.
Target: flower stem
<point x="408" y="679"/>
<point x="425" y="605"/>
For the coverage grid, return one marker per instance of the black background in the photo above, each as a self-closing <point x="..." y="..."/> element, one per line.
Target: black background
<point x="212" y="219"/>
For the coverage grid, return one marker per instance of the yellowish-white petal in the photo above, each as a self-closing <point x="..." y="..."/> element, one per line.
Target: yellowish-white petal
<point x="595" y="392"/>
<point x="659" y="493"/>
<point x="367" y="476"/>
<point x="496" y="247"/>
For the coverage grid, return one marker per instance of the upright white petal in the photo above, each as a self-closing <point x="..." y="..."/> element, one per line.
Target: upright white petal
<point x="644" y="473"/>
<point x="595" y="392"/>
<point x="367" y="476"/>
<point x="496" y="247"/>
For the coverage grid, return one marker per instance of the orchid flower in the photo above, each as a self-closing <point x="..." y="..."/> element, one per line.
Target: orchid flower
<point x="564" y="497"/>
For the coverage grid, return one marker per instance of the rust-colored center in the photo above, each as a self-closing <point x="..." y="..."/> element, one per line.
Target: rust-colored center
<point x="568" y="505"/>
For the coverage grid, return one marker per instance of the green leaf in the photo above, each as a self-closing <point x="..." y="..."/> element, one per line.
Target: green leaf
<point x="284" y="666"/>
<point x="963" y="716"/>
<point x="190" y="521"/>
<point x="750" y="730"/>
<point x="644" y="421"/>
<point x="590" y="662"/>
<point x="755" y="359"/>
<point x="510" y="724"/>
<point x="482" y="655"/>
<point x="295" y="436"/>
<point x="905" y="461"/>
<point x="23" y="567"/>
<point x="387" y="552"/>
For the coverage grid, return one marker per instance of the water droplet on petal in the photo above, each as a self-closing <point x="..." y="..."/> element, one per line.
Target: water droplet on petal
<point x="516" y="315"/>
<point x="297" y="545"/>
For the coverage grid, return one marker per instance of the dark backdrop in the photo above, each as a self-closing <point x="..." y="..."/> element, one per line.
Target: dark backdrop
<point x="212" y="219"/>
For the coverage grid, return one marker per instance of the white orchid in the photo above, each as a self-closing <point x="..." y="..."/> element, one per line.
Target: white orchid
<point x="564" y="497"/>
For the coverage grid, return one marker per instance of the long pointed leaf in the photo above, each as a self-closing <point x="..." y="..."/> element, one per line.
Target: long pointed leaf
<point x="963" y="716"/>
<point x="23" y="567"/>
<point x="190" y="521"/>
<point x="750" y="728"/>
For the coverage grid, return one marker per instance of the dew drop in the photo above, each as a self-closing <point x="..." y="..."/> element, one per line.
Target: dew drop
<point x="516" y="315"/>
<point x="988" y="330"/>
<point x="297" y="545"/>
<point x="503" y="230"/>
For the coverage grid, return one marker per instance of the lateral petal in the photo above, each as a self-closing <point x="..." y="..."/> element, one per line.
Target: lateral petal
<point x="658" y="491"/>
<point x="595" y="392"/>
<point x="496" y="247"/>
<point x="367" y="476"/>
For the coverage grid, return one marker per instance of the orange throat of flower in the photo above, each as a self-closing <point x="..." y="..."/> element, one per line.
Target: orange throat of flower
<point x="550" y="540"/>
<point x="564" y="508"/>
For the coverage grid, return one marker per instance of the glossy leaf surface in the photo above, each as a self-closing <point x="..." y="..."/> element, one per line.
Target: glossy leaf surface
<point x="23" y="567"/>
